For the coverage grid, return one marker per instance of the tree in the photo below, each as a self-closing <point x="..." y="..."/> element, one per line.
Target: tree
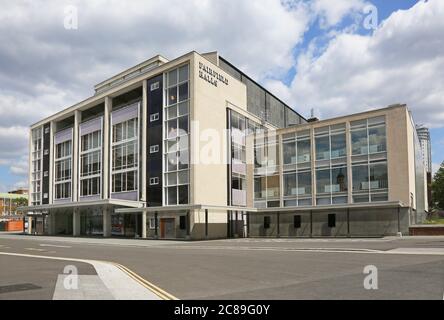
<point x="21" y="202"/>
<point x="438" y="188"/>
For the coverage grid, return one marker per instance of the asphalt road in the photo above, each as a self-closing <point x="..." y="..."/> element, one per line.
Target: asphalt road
<point x="29" y="278"/>
<point x="245" y="268"/>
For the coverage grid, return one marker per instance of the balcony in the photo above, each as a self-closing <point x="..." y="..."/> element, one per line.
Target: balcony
<point x="238" y="136"/>
<point x="239" y="197"/>
<point x="237" y="166"/>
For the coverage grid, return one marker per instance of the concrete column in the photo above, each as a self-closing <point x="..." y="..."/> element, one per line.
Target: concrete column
<point x="156" y="231"/>
<point x="75" y="156"/>
<point x="51" y="223"/>
<point x="76" y="222"/>
<point x="206" y="223"/>
<point x="144" y="139"/>
<point x="349" y="163"/>
<point x="30" y="225"/>
<point x="313" y="168"/>
<point x="31" y="190"/>
<point x="106" y="152"/>
<point x="144" y="224"/>
<point x="106" y="222"/>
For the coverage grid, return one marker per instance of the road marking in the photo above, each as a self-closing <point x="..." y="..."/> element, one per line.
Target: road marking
<point x="53" y="245"/>
<point x="116" y="282"/>
<point x="160" y="292"/>
<point x="35" y="249"/>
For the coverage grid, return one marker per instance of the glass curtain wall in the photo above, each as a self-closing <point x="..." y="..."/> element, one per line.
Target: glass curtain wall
<point x="36" y="166"/>
<point x="297" y="169"/>
<point x="125" y="156"/>
<point x="176" y="136"/>
<point x="369" y="160"/>
<point x="331" y="165"/>
<point x="90" y="163"/>
<point x="266" y="171"/>
<point x="63" y="170"/>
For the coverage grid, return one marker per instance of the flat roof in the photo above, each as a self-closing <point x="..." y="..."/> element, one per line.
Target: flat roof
<point x="13" y="196"/>
<point x="133" y="73"/>
<point x="255" y="82"/>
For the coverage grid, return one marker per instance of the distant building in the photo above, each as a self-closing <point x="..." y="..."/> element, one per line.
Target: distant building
<point x="19" y="191"/>
<point x="426" y="149"/>
<point x="9" y="202"/>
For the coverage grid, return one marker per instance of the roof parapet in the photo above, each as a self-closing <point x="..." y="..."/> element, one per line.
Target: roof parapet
<point x="130" y="73"/>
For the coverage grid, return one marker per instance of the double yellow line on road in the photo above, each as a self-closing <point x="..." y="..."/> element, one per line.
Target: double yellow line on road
<point x="155" y="289"/>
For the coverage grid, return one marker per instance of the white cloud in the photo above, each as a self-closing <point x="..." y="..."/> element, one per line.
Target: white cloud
<point x="45" y="68"/>
<point x="330" y="13"/>
<point x="402" y="61"/>
<point x="20" y="167"/>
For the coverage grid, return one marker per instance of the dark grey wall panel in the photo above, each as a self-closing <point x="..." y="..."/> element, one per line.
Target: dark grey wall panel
<point x="154" y="137"/>
<point x="45" y="164"/>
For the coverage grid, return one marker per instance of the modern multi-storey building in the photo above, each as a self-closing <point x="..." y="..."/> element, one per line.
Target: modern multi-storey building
<point x="193" y="148"/>
<point x="426" y="148"/>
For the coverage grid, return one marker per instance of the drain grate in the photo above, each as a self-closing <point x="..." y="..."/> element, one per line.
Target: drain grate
<point x="18" y="287"/>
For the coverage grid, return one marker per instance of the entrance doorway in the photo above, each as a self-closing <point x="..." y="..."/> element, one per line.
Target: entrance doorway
<point x="167" y="228"/>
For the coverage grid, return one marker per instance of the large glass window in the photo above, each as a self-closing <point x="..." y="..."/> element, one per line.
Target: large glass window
<point x="63" y="170"/>
<point x="125" y="155"/>
<point x="289" y="150"/>
<point x="91" y="163"/>
<point x="304" y="150"/>
<point x="369" y="170"/>
<point x="304" y="183"/>
<point x="322" y="148"/>
<point x="176" y="151"/>
<point x="360" y="177"/>
<point x="338" y="145"/>
<point x="339" y="179"/>
<point x="323" y="181"/>
<point x="376" y="138"/>
<point x="378" y="176"/>
<point x="290" y="186"/>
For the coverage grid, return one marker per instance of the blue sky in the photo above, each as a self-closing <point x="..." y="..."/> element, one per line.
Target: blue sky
<point x="312" y="54"/>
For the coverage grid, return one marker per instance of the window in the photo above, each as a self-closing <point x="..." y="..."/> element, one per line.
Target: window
<point x="290" y="187"/>
<point x="297" y="221"/>
<point x="91" y="164"/>
<point x="125" y="155"/>
<point x="46" y="130"/>
<point x="45" y="173"/>
<point x="45" y="196"/>
<point x="322" y="148"/>
<point x="176" y="124"/>
<point x="360" y="177"/>
<point x="338" y="145"/>
<point x="63" y="170"/>
<point x="182" y="223"/>
<point x="154" y="148"/>
<point x="154" y="86"/>
<point x="267" y="220"/>
<point x="154" y="117"/>
<point x="289" y="150"/>
<point x="378" y="176"/>
<point x="153" y="223"/>
<point x="332" y="220"/>
<point x="124" y="181"/>
<point x="154" y="181"/>
<point x="46" y="152"/>
<point x="323" y="181"/>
